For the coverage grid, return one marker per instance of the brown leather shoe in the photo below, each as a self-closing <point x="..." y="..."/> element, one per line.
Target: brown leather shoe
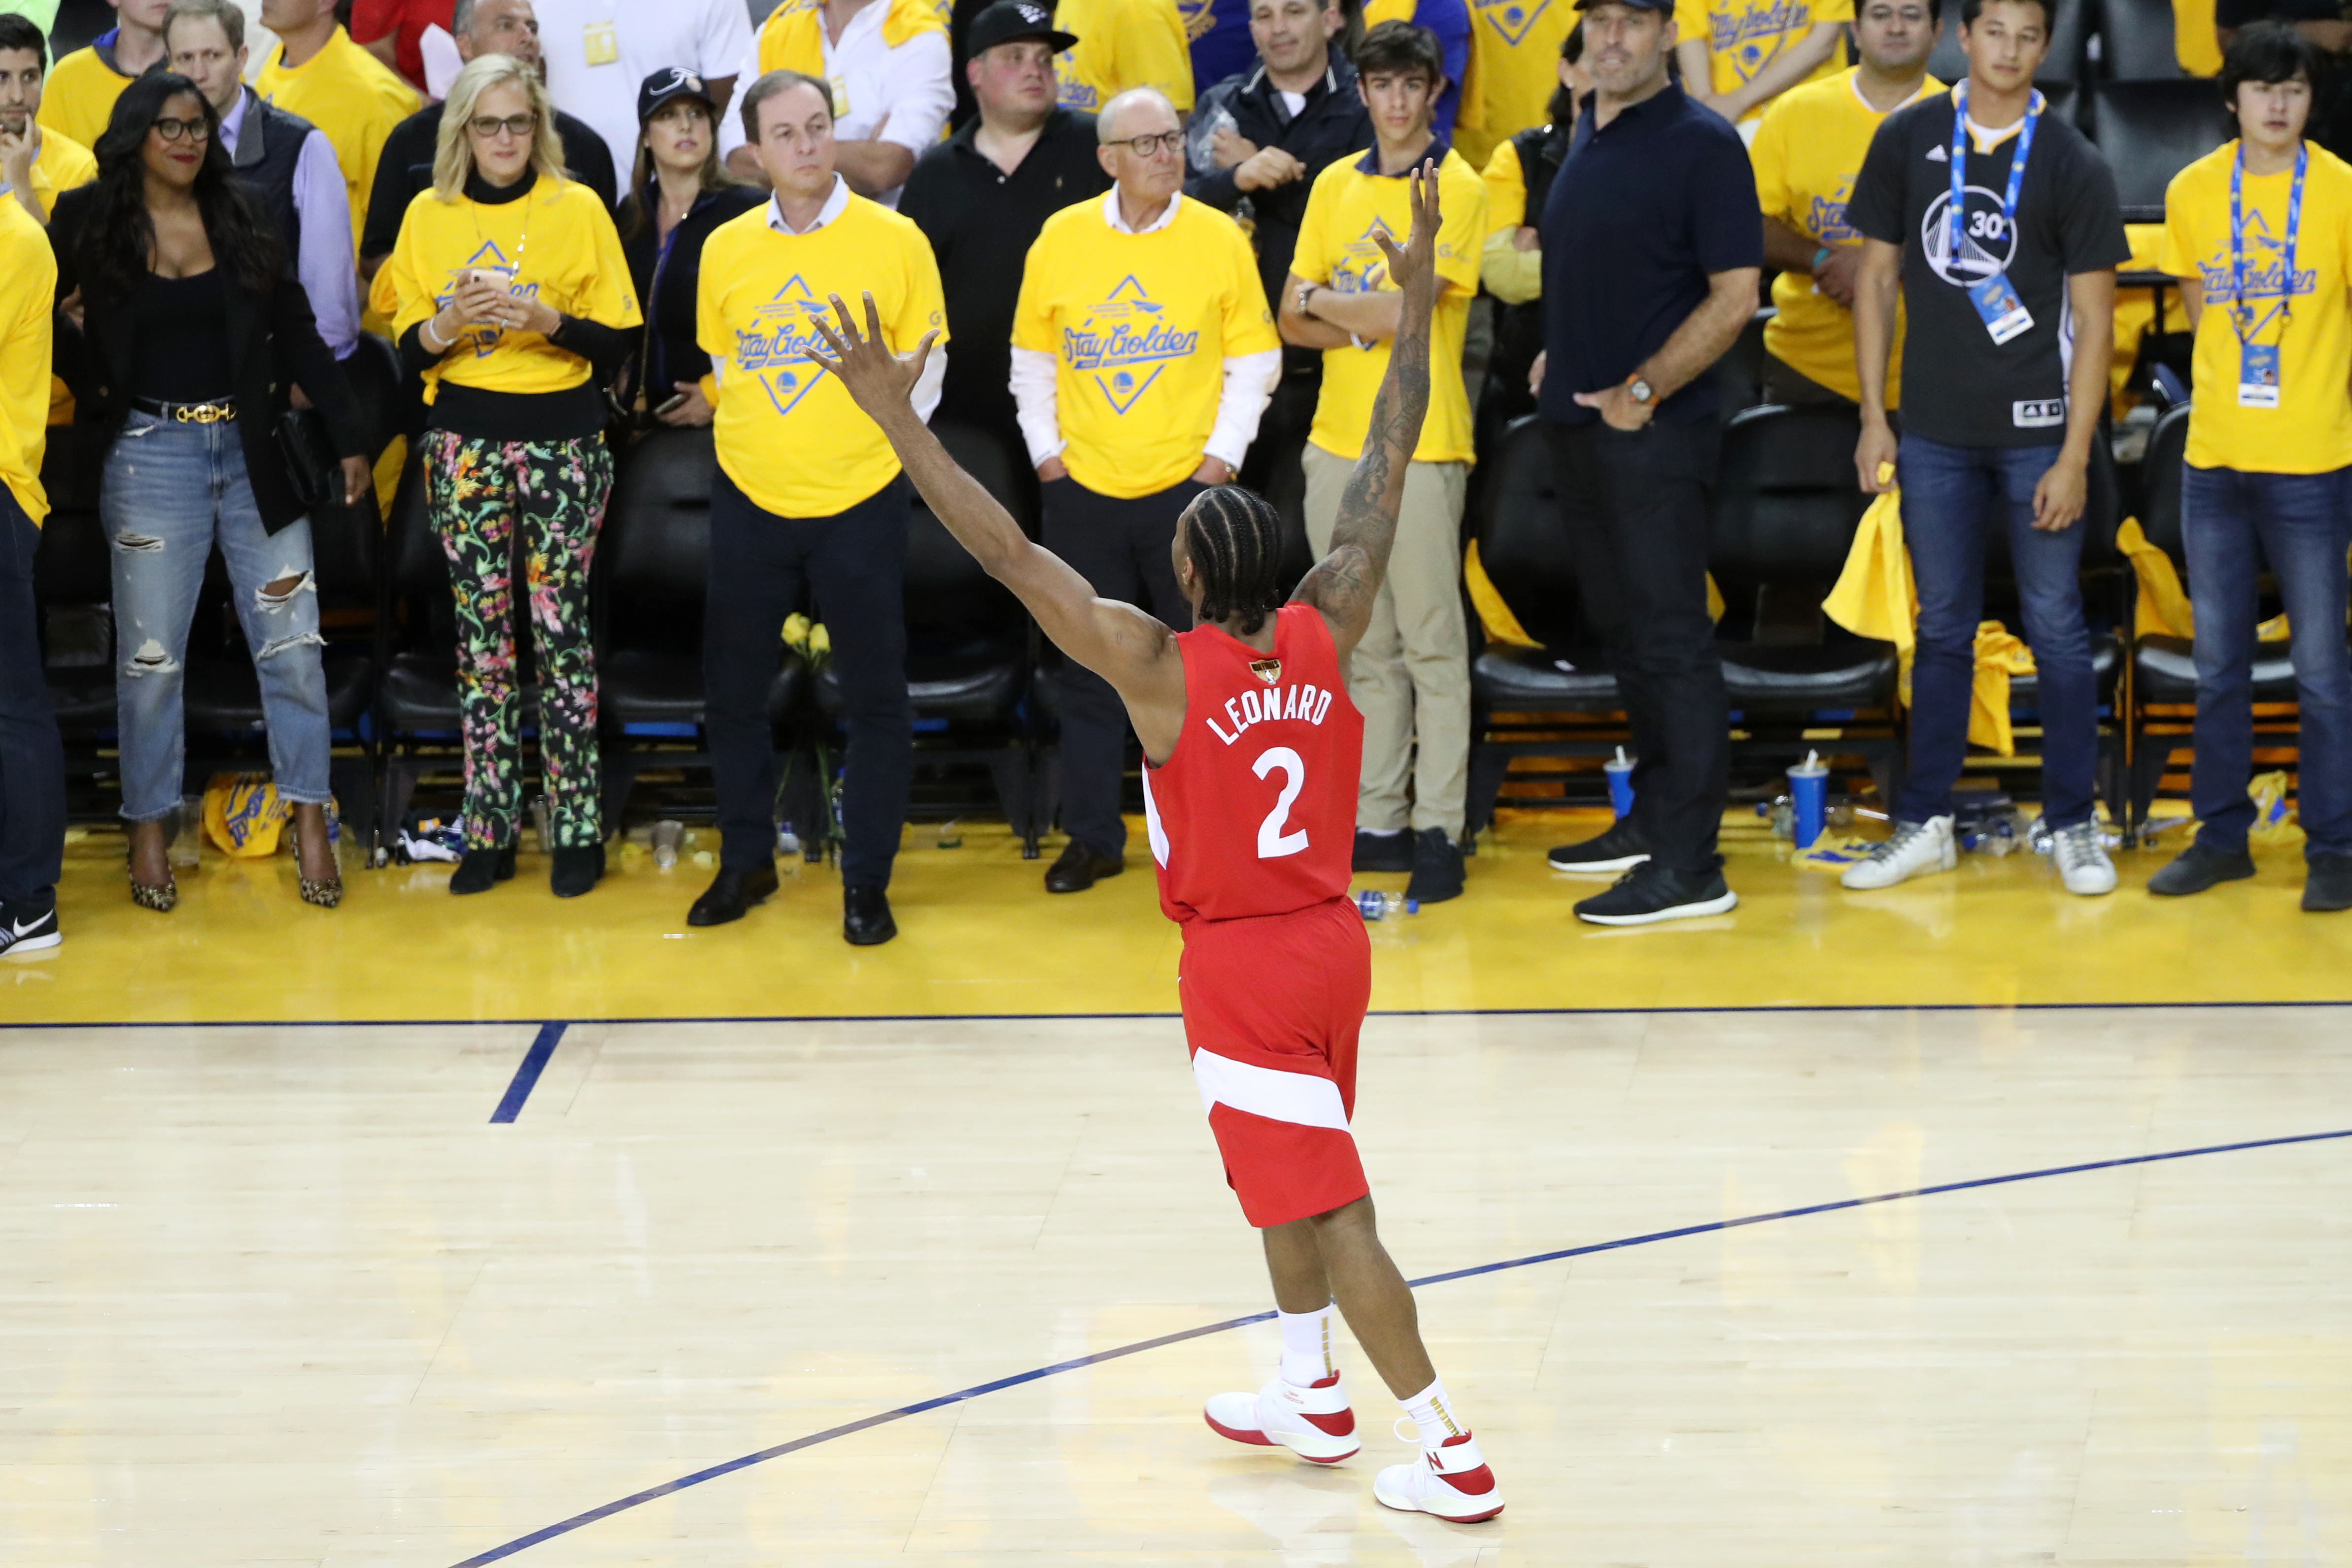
<point x="1080" y="868"/>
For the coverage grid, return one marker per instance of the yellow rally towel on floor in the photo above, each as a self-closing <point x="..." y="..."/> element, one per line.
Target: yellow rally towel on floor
<point x="242" y="816"/>
<point x="1502" y="627"/>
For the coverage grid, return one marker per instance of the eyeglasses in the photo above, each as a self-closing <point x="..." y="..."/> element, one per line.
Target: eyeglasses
<point x="488" y="125"/>
<point x="1145" y="146"/>
<point x="174" y="130"/>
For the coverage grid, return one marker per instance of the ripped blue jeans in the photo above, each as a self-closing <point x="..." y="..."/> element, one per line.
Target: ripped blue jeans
<point x="171" y="492"/>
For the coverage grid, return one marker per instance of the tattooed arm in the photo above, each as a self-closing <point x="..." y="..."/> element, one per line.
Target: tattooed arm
<point x="1344" y="582"/>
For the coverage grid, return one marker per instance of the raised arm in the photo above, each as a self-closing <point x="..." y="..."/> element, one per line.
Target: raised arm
<point x="1118" y="642"/>
<point x="1344" y="582"/>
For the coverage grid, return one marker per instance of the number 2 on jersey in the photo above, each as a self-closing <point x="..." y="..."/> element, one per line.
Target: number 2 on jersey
<point x="1272" y="843"/>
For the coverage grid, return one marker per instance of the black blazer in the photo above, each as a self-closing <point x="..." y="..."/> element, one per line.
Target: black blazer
<point x="274" y="343"/>
<point x="671" y="311"/>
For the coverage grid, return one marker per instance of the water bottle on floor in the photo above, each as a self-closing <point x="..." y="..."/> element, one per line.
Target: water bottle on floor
<point x="1378" y="906"/>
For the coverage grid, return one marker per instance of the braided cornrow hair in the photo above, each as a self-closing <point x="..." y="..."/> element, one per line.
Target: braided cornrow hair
<point x="1234" y="537"/>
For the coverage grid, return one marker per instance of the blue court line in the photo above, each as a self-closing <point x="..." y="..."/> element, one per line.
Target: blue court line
<point x="650" y="1494"/>
<point x="526" y="1078"/>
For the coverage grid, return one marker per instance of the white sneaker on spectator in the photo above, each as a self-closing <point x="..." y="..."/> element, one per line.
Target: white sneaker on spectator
<point x="2081" y="860"/>
<point x="1913" y="850"/>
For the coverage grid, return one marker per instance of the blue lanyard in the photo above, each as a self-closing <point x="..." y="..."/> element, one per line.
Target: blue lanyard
<point x="2241" y="315"/>
<point x="1956" y="213"/>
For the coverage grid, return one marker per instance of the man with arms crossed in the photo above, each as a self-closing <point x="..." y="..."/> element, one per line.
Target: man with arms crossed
<point x="1998" y="225"/>
<point x="1252" y="749"/>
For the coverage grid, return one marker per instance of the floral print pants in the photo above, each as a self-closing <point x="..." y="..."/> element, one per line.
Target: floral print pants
<point x="480" y="492"/>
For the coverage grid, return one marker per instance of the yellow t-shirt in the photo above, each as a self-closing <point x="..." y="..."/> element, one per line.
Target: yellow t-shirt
<point x="789" y="434"/>
<point x="1743" y="37"/>
<point x="561" y="247"/>
<point x="78" y="96"/>
<point x="1519" y="67"/>
<point x="1122" y="44"/>
<point x="2310" y="431"/>
<point x="1139" y="326"/>
<point x="1344" y="210"/>
<point x="352" y="97"/>
<point x="1807" y="154"/>
<point x="1511" y="274"/>
<point x="28" y="285"/>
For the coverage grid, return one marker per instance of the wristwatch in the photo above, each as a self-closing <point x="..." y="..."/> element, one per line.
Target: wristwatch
<point x="1639" y="390"/>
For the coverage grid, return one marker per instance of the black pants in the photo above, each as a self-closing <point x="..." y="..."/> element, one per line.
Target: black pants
<point x="1636" y="509"/>
<point x="857" y="561"/>
<point x="1120" y="547"/>
<point x="32" y="759"/>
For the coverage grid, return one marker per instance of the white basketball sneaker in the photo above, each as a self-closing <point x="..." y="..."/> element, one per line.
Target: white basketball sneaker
<point x="1450" y="1481"/>
<point x="1913" y="850"/>
<point x="1315" y="1423"/>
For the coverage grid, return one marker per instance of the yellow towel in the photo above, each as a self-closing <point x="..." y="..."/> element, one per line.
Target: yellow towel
<point x="791" y="39"/>
<point x="1875" y="596"/>
<point x="1503" y="627"/>
<point x="1999" y="656"/>
<point x="2195" y="43"/>
<point x="2163" y="608"/>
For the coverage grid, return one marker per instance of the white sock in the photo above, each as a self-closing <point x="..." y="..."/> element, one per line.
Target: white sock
<point x="1433" y="1415"/>
<point x="1306" y="1346"/>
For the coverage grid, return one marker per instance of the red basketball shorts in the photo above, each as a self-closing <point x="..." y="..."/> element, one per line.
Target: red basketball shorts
<point x="1273" y="1007"/>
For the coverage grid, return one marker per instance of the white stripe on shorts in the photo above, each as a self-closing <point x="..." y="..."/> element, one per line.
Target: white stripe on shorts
<point x="1296" y="1097"/>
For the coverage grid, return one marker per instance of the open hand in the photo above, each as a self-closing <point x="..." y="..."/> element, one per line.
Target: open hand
<point x="878" y="381"/>
<point x="1414" y="266"/>
<point x="2058" y="498"/>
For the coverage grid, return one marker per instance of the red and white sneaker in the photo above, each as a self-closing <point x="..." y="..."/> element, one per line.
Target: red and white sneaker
<point x="1315" y="1423"/>
<point x="1450" y="1481"/>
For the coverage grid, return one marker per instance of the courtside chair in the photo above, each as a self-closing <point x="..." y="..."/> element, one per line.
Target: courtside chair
<point x="2163" y="668"/>
<point x="2136" y="41"/>
<point x="652" y="574"/>
<point x="2150" y="130"/>
<point x="1557" y="701"/>
<point x="1785" y="512"/>
<point x="73" y="583"/>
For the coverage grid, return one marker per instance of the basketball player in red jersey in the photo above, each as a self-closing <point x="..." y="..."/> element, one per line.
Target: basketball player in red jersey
<point x="1254" y="752"/>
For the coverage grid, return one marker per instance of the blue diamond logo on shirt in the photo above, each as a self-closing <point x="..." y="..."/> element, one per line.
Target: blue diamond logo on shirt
<point x="1125" y="342"/>
<point x="1512" y="18"/>
<point x="777" y="346"/>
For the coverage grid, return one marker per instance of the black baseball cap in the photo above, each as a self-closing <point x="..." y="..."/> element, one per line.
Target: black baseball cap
<point x="667" y="85"/>
<point x="1008" y="20"/>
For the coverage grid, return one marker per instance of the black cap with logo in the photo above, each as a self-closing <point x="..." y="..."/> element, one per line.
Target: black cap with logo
<point x="1008" y="20"/>
<point x="667" y="85"/>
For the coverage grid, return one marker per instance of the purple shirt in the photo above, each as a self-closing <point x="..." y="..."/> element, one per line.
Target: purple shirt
<point x="324" y="265"/>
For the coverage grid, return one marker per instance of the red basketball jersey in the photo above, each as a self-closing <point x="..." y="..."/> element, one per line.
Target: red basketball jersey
<point x="1255" y="812"/>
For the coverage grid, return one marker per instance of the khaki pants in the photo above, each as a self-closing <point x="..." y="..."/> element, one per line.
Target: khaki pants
<point x="1411" y="676"/>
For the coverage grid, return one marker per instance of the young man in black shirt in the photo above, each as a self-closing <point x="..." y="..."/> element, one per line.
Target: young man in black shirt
<point x="2009" y="287"/>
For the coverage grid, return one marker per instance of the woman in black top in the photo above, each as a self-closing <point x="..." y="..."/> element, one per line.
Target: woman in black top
<point x="678" y="193"/>
<point x="197" y="339"/>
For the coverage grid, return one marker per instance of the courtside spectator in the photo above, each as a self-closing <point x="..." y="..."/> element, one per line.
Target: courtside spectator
<point x="284" y="160"/>
<point x="197" y="335"/>
<point x="808" y="493"/>
<point x="508" y="28"/>
<point x="1737" y="56"/>
<point x="1651" y="250"/>
<point x="889" y="64"/>
<point x="2322" y="23"/>
<point x="36" y="161"/>
<point x="1999" y="414"/>
<point x="597" y="54"/>
<point x="394" y="32"/>
<point x="1807" y="154"/>
<point x="980" y="196"/>
<point x="1518" y="44"/>
<point x="1410" y="675"/>
<point x="1122" y="44"/>
<point x="83" y="86"/>
<point x="1518" y="179"/>
<point x="679" y="193"/>
<point x="1448" y="22"/>
<point x="2259" y="235"/>
<point x="32" y="758"/>
<point x="510" y="296"/>
<point x="1143" y="354"/>
<point x="316" y="72"/>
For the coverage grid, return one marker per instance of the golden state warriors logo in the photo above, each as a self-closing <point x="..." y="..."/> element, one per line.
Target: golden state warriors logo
<point x="1825" y="217"/>
<point x="1750" y="38"/>
<point x="1512" y="18"/>
<point x="2268" y="288"/>
<point x="775" y="348"/>
<point x="489" y="258"/>
<point x="1124" y="343"/>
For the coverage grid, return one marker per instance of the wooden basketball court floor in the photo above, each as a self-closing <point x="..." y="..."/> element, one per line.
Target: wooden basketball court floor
<point x="1969" y="1223"/>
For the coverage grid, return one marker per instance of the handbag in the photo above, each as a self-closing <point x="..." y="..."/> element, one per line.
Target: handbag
<point x="309" y="451"/>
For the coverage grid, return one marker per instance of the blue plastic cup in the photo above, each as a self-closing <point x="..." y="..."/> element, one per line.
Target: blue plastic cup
<point x="1809" y="799"/>
<point x="1620" y="769"/>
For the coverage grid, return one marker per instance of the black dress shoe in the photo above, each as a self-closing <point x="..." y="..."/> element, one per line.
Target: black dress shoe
<point x="731" y="892"/>
<point x="866" y="917"/>
<point x="2327" y="884"/>
<point x="1436" y="868"/>
<point x="480" y="867"/>
<point x="1079" y="869"/>
<point x="576" y="870"/>
<point x="2197" y="867"/>
<point x="1382" y="852"/>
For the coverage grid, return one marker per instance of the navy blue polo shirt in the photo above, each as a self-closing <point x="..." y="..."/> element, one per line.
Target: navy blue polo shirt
<point x="1638" y="216"/>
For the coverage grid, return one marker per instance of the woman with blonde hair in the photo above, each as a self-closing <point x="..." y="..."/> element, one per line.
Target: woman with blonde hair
<point x="509" y="291"/>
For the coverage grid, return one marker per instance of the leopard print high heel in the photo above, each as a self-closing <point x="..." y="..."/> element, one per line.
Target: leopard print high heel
<point x="162" y="900"/>
<point x="326" y="894"/>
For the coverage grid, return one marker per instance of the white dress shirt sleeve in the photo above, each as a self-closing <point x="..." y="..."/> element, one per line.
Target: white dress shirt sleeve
<point x="1250" y="381"/>
<point x="929" y="385"/>
<point x="1033" y="398"/>
<point x="731" y="44"/>
<point x="917" y="88"/>
<point x="324" y="265"/>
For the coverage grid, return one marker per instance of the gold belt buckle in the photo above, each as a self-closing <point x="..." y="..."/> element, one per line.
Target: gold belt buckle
<point x="200" y="413"/>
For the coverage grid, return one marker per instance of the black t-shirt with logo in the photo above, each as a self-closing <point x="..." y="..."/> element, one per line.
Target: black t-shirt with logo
<point x="1958" y="386"/>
